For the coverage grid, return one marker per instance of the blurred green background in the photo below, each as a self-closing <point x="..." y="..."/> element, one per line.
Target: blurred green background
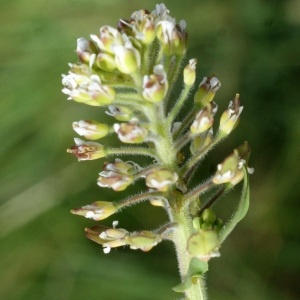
<point x="252" y="46"/>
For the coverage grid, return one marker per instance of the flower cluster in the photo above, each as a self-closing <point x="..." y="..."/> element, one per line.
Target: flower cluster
<point x="132" y="70"/>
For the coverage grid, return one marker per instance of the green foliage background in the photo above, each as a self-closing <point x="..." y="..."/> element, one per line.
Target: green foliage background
<point x="253" y="47"/>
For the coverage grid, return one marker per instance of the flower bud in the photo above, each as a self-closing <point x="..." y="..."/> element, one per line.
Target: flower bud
<point x="87" y="150"/>
<point x="108" y="38"/>
<point x="106" y="62"/>
<point x="117" y="175"/>
<point x="208" y="216"/>
<point x="98" y="210"/>
<point x="203" y="244"/>
<point x="206" y="91"/>
<point x="189" y="72"/>
<point x="204" y="119"/>
<point x="172" y="36"/>
<point x="244" y="154"/>
<point x="127" y="57"/>
<point x="86" y="51"/>
<point x="161" y="179"/>
<point x="230" y="170"/>
<point x="107" y="237"/>
<point x="120" y="113"/>
<point x="155" y="86"/>
<point x="83" y="85"/>
<point x="164" y="34"/>
<point x="91" y="130"/>
<point x="231" y="117"/>
<point x="144" y="240"/>
<point x="124" y="26"/>
<point x="201" y="141"/>
<point x="143" y="28"/>
<point x="131" y="133"/>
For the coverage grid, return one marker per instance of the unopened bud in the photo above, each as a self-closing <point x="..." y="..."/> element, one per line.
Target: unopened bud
<point x="91" y="130"/>
<point x="143" y="27"/>
<point x="155" y="86"/>
<point x="206" y="91"/>
<point x="120" y="113"/>
<point x="84" y="86"/>
<point x="127" y="57"/>
<point x="231" y="117"/>
<point x="230" y="170"/>
<point x="189" y="72"/>
<point x="86" y="51"/>
<point x="203" y="244"/>
<point x="172" y="36"/>
<point x="87" y="150"/>
<point x="161" y="179"/>
<point x="144" y="240"/>
<point x="117" y="175"/>
<point x="108" y="38"/>
<point x="204" y="119"/>
<point x="97" y="211"/>
<point x="107" y="237"/>
<point x="208" y="216"/>
<point x="201" y="141"/>
<point x="131" y="133"/>
<point x="106" y="62"/>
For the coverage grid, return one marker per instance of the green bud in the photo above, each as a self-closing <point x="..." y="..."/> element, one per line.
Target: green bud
<point x="106" y="62"/>
<point x="201" y="141"/>
<point x="127" y="57"/>
<point x="91" y="130"/>
<point x="84" y="86"/>
<point x="120" y="113"/>
<point x="204" y="119"/>
<point x="231" y="117"/>
<point x="206" y="91"/>
<point x="143" y="27"/>
<point x="155" y="86"/>
<point x="144" y="240"/>
<point x="161" y="179"/>
<point x="208" y="216"/>
<point x="203" y="244"/>
<point x="206" y="226"/>
<point x="189" y="72"/>
<point x="108" y="38"/>
<point x="230" y="170"/>
<point x="98" y="210"/>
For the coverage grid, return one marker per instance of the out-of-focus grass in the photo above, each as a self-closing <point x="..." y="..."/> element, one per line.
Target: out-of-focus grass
<point x="252" y="46"/>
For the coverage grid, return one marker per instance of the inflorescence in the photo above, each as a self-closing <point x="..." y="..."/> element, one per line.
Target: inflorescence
<point x="132" y="70"/>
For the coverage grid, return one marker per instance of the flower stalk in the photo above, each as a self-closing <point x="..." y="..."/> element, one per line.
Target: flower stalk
<point x="132" y="70"/>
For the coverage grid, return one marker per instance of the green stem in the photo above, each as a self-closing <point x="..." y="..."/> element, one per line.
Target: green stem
<point x="196" y="192"/>
<point x="137" y="199"/>
<point x="132" y="151"/>
<point x="187" y="120"/>
<point x="180" y="238"/>
<point x="178" y="104"/>
<point x="179" y="213"/>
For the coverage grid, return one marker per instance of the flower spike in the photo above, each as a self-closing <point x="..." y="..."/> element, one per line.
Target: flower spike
<point x="134" y="70"/>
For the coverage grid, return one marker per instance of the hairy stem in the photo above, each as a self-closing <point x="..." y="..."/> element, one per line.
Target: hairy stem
<point x="180" y="238"/>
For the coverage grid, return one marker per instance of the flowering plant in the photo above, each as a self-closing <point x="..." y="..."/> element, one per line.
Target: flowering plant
<point x="133" y="70"/>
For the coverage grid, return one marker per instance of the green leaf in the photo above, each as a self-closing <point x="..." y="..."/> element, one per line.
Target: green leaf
<point x="197" y="268"/>
<point x="241" y="209"/>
